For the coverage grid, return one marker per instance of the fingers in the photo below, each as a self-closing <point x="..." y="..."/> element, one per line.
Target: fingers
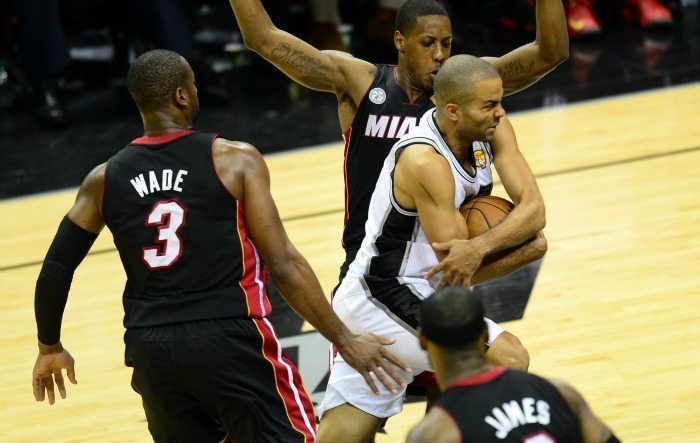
<point x="38" y="389"/>
<point x="368" y="379"/>
<point x="48" y="385"/>
<point x="435" y="269"/>
<point x="389" y="382"/>
<point x="70" y="372"/>
<point x="58" y="377"/>
<point x="384" y="340"/>
<point x="442" y="246"/>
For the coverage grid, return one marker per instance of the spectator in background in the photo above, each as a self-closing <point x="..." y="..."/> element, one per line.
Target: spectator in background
<point x="44" y="56"/>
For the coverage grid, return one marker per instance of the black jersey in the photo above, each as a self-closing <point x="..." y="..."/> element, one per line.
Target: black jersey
<point x="384" y="115"/>
<point x="180" y="234"/>
<point x="505" y="405"/>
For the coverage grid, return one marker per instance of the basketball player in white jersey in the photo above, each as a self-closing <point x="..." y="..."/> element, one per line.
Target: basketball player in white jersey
<point x="427" y="176"/>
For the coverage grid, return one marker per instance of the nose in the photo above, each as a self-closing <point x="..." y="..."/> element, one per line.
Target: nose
<point x="500" y="112"/>
<point x="439" y="54"/>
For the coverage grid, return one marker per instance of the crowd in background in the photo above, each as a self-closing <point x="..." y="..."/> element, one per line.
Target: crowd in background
<point x="41" y="40"/>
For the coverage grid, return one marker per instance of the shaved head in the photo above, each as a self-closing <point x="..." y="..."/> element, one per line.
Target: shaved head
<point x="456" y="80"/>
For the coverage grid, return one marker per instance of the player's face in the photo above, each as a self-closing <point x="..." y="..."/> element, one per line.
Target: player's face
<point x="425" y="48"/>
<point x="481" y="115"/>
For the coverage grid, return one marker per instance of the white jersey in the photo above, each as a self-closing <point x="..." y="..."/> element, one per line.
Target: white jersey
<point x="395" y="254"/>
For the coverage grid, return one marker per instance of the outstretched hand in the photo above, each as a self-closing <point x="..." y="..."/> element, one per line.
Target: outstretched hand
<point x="48" y="372"/>
<point x="367" y="353"/>
<point x="462" y="261"/>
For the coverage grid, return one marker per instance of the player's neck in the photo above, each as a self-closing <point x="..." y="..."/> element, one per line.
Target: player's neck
<point x="160" y="123"/>
<point x="410" y="87"/>
<point x="459" y="147"/>
<point x="461" y="368"/>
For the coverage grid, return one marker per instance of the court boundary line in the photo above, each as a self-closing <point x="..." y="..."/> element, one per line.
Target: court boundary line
<point x="590" y="167"/>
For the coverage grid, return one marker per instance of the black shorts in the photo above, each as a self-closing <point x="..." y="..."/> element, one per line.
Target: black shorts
<point x="202" y="380"/>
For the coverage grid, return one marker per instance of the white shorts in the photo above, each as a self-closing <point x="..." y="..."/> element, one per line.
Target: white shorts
<point x="361" y="314"/>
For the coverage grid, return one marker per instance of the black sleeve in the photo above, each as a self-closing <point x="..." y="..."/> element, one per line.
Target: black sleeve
<point x="69" y="247"/>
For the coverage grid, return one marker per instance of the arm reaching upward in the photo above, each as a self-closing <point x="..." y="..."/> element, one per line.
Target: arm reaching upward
<point x="330" y="71"/>
<point x="527" y="64"/>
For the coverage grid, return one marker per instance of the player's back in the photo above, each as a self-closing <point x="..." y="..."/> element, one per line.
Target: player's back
<point x="506" y="405"/>
<point x="181" y="236"/>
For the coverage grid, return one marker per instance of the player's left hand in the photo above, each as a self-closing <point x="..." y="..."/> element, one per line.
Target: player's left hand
<point x="462" y="261"/>
<point x="48" y="372"/>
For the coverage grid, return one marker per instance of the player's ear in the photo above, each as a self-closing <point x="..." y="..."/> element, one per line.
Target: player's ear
<point x="181" y="97"/>
<point x="452" y="111"/>
<point x="399" y="41"/>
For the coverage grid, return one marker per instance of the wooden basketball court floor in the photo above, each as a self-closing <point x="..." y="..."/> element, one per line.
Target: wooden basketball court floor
<point x="615" y="309"/>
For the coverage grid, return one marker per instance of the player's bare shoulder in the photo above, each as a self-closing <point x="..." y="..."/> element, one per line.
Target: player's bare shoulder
<point x="436" y="427"/>
<point x="359" y="74"/>
<point x="233" y="160"/>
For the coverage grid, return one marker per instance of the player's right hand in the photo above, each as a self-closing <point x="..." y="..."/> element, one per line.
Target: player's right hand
<point x="48" y="372"/>
<point x="368" y="354"/>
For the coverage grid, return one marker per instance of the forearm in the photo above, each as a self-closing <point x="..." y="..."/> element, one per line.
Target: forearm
<point x="521" y="225"/>
<point x="504" y="262"/>
<point x="253" y="22"/>
<point x="299" y="286"/>
<point x="70" y="245"/>
<point x="552" y="37"/>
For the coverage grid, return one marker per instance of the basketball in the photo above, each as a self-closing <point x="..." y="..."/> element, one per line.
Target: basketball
<point x="483" y="213"/>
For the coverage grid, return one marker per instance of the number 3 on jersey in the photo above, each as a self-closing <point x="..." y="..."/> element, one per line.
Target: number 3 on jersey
<point x="169" y="217"/>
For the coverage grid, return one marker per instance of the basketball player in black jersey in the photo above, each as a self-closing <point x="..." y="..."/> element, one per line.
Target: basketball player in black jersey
<point x="482" y="403"/>
<point x="197" y="231"/>
<point x="377" y="104"/>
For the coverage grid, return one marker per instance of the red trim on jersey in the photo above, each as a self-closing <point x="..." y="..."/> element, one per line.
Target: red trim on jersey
<point x="254" y="275"/>
<point x="346" y="149"/>
<point x="296" y="400"/>
<point x="482" y="378"/>
<point x="405" y="91"/>
<point x="161" y="139"/>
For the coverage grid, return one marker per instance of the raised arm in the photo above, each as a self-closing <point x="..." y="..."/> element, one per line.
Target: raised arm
<point x="527" y="64"/>
<point x="246" y="176"/>
<point x="74" y="238"/>
<point x="329" y="71"/>
<point x="593" y="430"/>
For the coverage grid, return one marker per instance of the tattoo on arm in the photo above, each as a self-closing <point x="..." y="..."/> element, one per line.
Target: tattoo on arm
<point x="296" y="59"/>
<point x="516" y="70"/>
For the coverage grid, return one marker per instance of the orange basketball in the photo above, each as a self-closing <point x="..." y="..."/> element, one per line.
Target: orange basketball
<point x="483" y="213"/>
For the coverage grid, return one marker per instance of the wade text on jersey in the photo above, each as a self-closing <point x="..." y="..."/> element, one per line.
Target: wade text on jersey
<point x="152" y="181"/>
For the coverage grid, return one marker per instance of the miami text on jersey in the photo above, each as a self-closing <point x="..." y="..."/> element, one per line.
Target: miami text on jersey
<point x="389" y="126"/>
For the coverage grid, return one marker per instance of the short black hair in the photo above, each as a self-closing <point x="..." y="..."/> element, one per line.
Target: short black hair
<point x="452" y="317"/>
<point x="154" y="76"/>
<point x="408" y="14"/>
<point x="456" y="80"/>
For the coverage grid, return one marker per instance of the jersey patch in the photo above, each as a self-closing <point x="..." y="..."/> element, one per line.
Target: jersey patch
<point x="377" y="96"/>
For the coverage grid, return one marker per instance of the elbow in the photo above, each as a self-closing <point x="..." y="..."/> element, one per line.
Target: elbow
<point x="539" y="246"/>
<point x="258" y="39"/>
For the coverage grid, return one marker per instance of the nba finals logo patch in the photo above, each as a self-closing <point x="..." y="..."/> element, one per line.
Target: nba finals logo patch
<point x="480" y="158"/>
<point x="377" y="96"/>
